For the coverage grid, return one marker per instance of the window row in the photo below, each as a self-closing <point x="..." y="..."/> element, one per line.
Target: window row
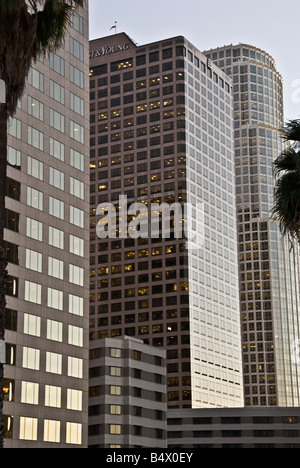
<point x="52" y="431"/>
<point x="35" y="137"/>
<point x="54" y="363"/>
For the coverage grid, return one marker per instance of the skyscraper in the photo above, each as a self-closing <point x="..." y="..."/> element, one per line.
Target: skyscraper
<point x="269" y="270"/>
<point x="162" y="133"/>
<point x="46" y="239"/>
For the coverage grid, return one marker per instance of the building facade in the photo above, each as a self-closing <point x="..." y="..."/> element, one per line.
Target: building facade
<point x="269" y="269"/>
<point x="234" y="428"/>
<point x="127" y="394"/>
<point x="162" y="133"/>
<point x="46" y="239"/>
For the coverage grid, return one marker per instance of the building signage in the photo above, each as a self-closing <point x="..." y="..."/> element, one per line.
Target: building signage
<point x="107" y="50"/>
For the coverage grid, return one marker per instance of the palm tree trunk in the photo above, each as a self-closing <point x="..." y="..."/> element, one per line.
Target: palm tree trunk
<point x="3" y="263"/>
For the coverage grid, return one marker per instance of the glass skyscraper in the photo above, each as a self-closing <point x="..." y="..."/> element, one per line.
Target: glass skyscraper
<point x="269" y="270"/>
<point x="46" y="241"/>
<point x="162" y="132"/>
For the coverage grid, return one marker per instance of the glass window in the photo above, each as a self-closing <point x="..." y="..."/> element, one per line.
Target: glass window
<point x="57" y="92"/>
<point x="54" y="363"/>
<point x="34" y="260"/>
<point x="34" y="229"/>
<point x="32" y="325"/>
<point x="75" y="305"/>
<point x="55" y="268"/>
<point x="75" y="367"/>
<point x="35" y="198"/>
<point x="35" y="168"/>
<point x="74" y="400"/>
<point x="35" y="138"/>
<point x="31" y="358"/>
<point x="14" y="158"/>
<point x="33" y="292"/>
<point x="51" y="431"/>
<point x="76" y="188"/>
<point x="77" y="160"/>
<point x="75" y="336"/>
<point x="74" y="433"/>
<point x="52" y="396"/>
<point x="35" y="108"/>
<point x="55" y="299"/>
<point x="54" y="330"/>
<point x="36" y="79"/>
<point x="28" y="428"/>
<point x="57" y="64"/>
<point x="30" y="393"/>
<point x="76" y="76"/>
<point x="57" y="121"/>
<point x="57" y="178"/>
<point x="76" y="104"/>
<point x="56" y="208"/>
<point x="14" y="128"/>
<point x="76" y="275"/>
<point x="76" y="49"/>
<point x="56" y="238"/>
<point x="76" y="217"/>
<point x="77" y="132"/>
<point x="57" y="149"/>
<point x="76" y="246"/>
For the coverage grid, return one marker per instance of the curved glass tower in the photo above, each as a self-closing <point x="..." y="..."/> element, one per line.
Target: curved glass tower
<point x="269" y="271"/>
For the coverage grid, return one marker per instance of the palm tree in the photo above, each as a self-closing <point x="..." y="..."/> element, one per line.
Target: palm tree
<point x="28" y="29"/>
<point x="286" y="208"/>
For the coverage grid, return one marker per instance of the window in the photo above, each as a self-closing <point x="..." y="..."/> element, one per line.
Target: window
<point x="57" y="178"/>
<point x="14" y="157"/>
<point x="56" y="238"/>
<point x="33" y="292"/>
<point x="116" y="353"/>
<point x="56" y="208"/>
<point x="75" y="336"/>
<point x="35" y="138"/>
<point x="54" y="363"/>
<point x="34" y="260"/>
<point x="74" y="433"/>
<point x="55" y="268"/>
<point x="51" y="431"/>
<point x="12" y="220"/>
<point x="54" y="331"/>
<point x="35" y="108"/>
<point x="52" y="396"/>
<point x="115" y="410"/>
<point x="30" y="393"/>
<point x="35" y="198"/>
<point x="28" y="428"/>
<point x="57" y="64"/>
<point x="77" y="160"/>
<point x="36" y="79"/>
<point x="75" y="367"/>
<point x="55" y="299"/>
<point x="115" y="429"/>
<point x="76" y="246"/>
<point x="57" y="149"/>
<point x="14" y="128"/>
<point x="57" y="92"/>
<point x="57" y="121"/>
<point x="76" y="76"/>
<point x="31" y="358"/>
<point x="76" y="104"/>
<point x="76" y="275"/>
<point x="34" y="229"/>
<point x="116" y="371"/>
<point x="76" y="49"/>
<point x="32" y="325"/>
<point x="76" y="188"/>
<point x="35" y="168"/>
<point x="77" y="132"/>
<point x="76" y="217"/>
<point x="115" y="390"/>
<point x="75" y="305"/>
<point x="74" y="400"/>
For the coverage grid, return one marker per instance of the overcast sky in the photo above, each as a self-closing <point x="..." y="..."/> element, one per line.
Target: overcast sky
<point x="272" y="25"/>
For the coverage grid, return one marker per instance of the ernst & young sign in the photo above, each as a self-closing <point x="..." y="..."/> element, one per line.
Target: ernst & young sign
<point x="107" y="50"/>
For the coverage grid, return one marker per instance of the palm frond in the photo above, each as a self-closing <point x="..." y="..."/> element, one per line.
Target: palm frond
<point x="289" y="160"/>
<point x="291" y="131"/>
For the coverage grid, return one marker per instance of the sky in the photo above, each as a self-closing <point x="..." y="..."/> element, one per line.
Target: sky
<point x="272" y="25"/>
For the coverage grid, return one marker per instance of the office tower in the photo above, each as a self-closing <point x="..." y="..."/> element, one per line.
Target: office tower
<point x="128" y="402"/>
<point x="46" y="239"/>
<point x="269" y="270"/>
<point x="162" y="133"/>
